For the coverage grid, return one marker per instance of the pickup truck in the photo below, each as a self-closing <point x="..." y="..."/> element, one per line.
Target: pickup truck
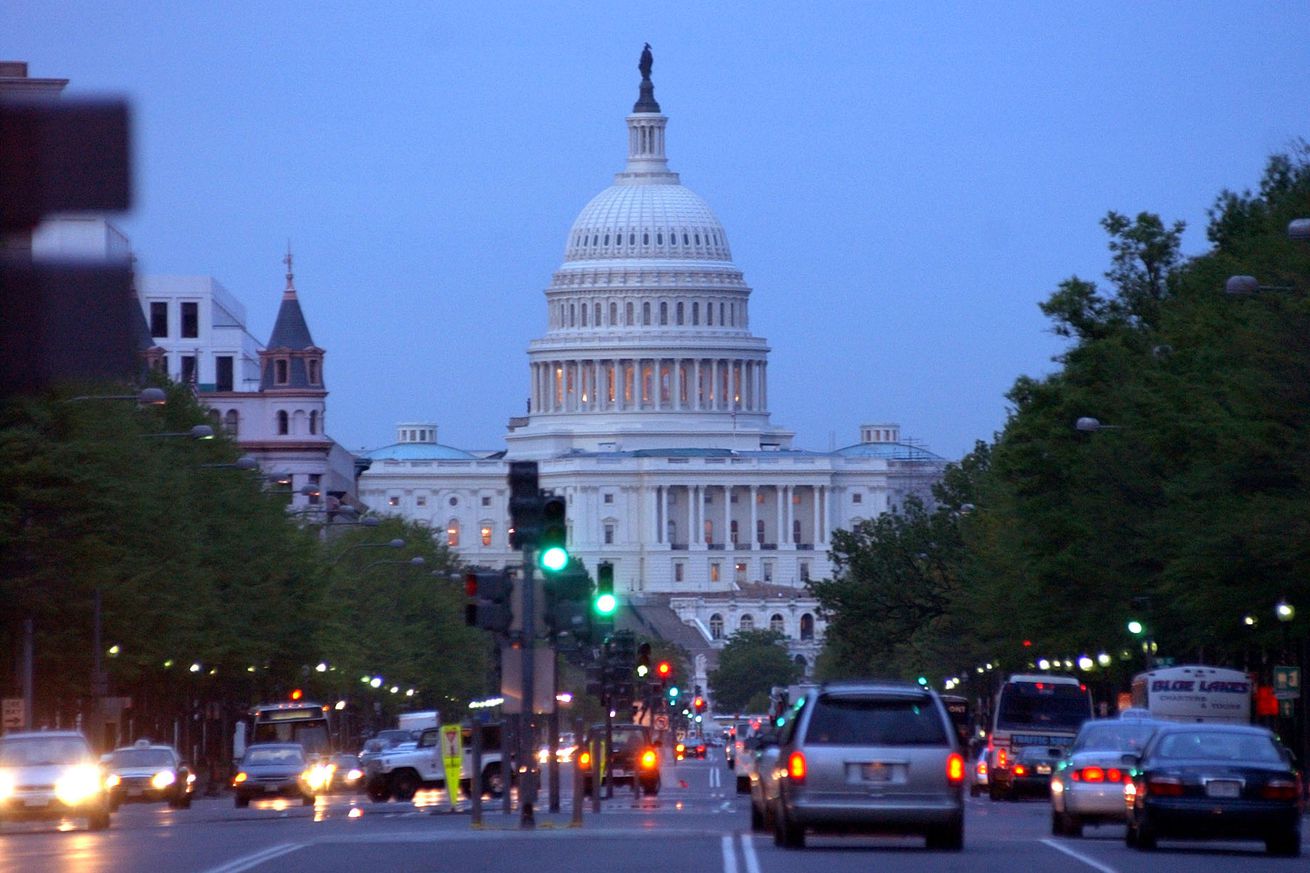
<point x="401" y="773"/>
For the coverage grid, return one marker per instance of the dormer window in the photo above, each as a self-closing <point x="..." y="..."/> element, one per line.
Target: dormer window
<point x="281" y="371"/>
<point x="313" y="366"/>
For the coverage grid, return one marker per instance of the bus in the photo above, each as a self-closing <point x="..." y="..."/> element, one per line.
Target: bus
<point x="1032" y="710"/>
<point x="1194" y="693"/>
<point x="299" y="722"/>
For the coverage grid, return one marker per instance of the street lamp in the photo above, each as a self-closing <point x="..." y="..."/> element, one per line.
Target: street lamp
<point x="198" y="432"/>
<point x="1087" y="424"/>
<point x="1298" y="230"/>
<point x="1245" y="286"/>
<point x="145" y="397"/>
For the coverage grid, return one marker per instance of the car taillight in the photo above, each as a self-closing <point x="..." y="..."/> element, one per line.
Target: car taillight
<point x="1002" y="759"/>
<point x="649" y="759"/>
<point x="954" y="768"/>
<point x="796" y="767"/>
<point x="1280" y="789"/>
<point x="1020" y="769"/>
<point x="1098" y="774"/>
<point x="981" y="767"/>
<point x="584" y="760"/>
<point x="1165" y="786"/>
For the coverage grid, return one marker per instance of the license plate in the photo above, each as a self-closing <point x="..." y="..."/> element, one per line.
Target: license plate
<point x="619" y="771"/>
<point x="1223" y="789"/>
<point x="134" y="792"/>
<point x="1043" y="769"/>
<point x="34" y="803"/>
<point x="876" y="772"/>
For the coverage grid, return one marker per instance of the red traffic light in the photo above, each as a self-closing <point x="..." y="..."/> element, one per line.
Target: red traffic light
<point x="297" y="694"/>
<point x="664" y="669"/>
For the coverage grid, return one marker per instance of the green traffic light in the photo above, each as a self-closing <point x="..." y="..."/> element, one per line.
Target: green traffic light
<point x="673" y="693"/>
<point x="553" y="559"/>
<point x="606" y="604"/>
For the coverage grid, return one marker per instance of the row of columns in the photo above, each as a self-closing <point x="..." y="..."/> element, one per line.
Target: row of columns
<point x="783" y="513"/>
<point x="665" y="384"/>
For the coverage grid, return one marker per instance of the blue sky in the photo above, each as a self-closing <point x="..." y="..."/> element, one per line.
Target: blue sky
<point x="901" y="183"/>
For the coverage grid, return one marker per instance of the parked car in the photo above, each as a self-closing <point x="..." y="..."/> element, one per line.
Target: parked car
<point x="51" y="775"/>
<point x="869" y="757"/>
<point x="147" y="772"/>
<point x="274" y="770"/>
<point x="634" y="757"/>
<point x="1087" y="786"/>
<point x="1214" y="781"/>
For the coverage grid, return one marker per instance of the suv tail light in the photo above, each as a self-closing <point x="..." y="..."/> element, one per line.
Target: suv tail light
<point x="1002" y="759"/>
<point x="955" y="768"/>
<point x="584" y="760"/>
<point x="796" y="767"/>
<point x="649" y="760"/>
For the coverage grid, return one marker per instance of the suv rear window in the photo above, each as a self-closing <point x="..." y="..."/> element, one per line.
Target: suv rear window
<point x="874" y="721"/>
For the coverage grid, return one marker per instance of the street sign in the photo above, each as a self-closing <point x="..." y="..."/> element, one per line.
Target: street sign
<point x="12" y="713"/>
<point x="661" y="722"/>
<point x="1287" y="683"/>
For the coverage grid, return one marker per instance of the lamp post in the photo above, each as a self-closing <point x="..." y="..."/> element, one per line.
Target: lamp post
<point x="198" y="432"/>
<point x="145" y="397"/>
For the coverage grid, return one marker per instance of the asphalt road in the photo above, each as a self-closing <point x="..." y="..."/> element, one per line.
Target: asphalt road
<point x="697" y="823"/>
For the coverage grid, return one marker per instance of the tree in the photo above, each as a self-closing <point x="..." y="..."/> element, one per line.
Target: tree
<point x="751" y="663"/>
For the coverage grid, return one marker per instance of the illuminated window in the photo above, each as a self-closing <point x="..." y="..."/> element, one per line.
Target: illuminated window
<point x="393" y="501"/>
<point x="452" y="533"/>
<point x="486" y="535"/>
<point x="714" y="572"/>
<point x="709" y="535"/>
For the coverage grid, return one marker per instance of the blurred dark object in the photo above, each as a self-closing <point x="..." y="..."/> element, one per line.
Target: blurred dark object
<point x="63" y="320"/>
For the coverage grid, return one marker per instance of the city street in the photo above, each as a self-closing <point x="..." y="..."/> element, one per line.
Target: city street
<point x="697" y="822"/>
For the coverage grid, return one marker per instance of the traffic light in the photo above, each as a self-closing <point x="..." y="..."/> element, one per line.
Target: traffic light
<point x="604" y="604"/>
<point x="643" y="661"/>
<point x="673" y="696"/>
<point x="489" y="593"/>
<point x="553" y="547"/>
<point x="524" y="505"/>
<point x="568" y="602"/>
<point x="698" y="704"/>
<point x="664" y="672"/>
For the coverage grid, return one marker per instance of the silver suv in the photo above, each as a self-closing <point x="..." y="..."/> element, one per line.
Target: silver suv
<point x="868" y="757"/>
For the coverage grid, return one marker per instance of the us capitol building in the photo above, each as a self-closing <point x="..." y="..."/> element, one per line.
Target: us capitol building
<point x="649" y="412"/>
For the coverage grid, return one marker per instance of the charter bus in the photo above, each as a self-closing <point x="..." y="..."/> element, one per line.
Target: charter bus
<point x="298" y="722"/>
<point x="1194" y="693"/>
<point x="1032" y="710"/>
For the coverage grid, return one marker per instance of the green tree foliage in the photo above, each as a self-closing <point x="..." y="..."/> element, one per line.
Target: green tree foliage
<point x="1189" y="510"/>
<point x="750" y="664"/>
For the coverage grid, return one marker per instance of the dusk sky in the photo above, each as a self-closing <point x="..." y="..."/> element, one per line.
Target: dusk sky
<point x="901" y="183"/>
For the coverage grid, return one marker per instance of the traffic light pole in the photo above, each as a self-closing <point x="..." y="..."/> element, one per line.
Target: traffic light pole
<point x="527" y="757"/>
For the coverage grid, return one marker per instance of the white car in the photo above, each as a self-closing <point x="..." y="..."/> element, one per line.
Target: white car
<point x="1087" y="786"/>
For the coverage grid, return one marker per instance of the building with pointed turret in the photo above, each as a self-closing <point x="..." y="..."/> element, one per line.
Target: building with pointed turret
<point x="272" y="399"/>
<point x="649" y="411"/>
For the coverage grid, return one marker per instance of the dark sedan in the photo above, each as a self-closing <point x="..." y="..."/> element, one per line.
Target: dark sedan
<point x="273" y="770"/>
<point x="1214" y="781"/>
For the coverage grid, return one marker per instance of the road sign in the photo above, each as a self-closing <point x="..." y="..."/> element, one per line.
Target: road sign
<point x="12" y="713"/>
<point x="661" y="722"/>
<point x="1287" y="683"/>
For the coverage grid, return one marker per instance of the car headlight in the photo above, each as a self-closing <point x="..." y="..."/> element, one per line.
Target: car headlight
<point x="78" y="785"/>
<point x="6" y="785"/>
<point x="239" y="778"/>
<point x="113" y="780"/>
<point x="162" y="779"/>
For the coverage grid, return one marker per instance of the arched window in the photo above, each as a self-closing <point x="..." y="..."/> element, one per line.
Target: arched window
<point x="678" y="317"/>
<point x="664" y="313"/>
<point x="795" y="530"/>
<point x="313" y="421"/>
<point x="776" y="623"/>
<point x="807" y="627"/>
<point x="231" y="422"/>
<point x="747" y="622"/>
<point x="486" y="533"/>
<point x="716" y="627"/>
<point x="628" y="319"/>
<point x="283" y="423"/>
<point x="452" y="533"/>
<point x="695" y="313"/>
<point x="645" y="313"/>
<point x="614" y="314"/>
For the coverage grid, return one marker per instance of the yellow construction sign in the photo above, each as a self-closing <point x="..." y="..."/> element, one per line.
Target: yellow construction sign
<point x="452" y="755"/>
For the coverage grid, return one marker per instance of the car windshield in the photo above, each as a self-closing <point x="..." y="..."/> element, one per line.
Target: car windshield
<point x="142" y="758"/>
<point x="1116" y="736"/>
<point x="281" y="755"/>
<point x="628" y="737"/>
<point x="1218" y="746"/>
<point x="868" y="721"/>
<point x="25" y="751"/>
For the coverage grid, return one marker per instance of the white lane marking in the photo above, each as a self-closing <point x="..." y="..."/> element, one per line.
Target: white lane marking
<point x="251" y="861"/>
<point x="729" y="856"/>
<point x="726" y="807"/>
<point x="748" y="852"/>
<point x="1079" y="856"/>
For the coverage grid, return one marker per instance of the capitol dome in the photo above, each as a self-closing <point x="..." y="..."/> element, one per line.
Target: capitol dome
<point x="643" y="218"/>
